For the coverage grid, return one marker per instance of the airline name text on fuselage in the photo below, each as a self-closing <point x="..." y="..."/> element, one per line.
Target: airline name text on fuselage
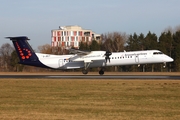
<point x="135" y="54"/>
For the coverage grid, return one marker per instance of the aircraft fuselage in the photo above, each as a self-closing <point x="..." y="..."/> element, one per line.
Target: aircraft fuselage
<point x="97" y="59"/>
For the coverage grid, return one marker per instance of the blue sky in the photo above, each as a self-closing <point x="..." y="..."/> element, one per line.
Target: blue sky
<point x="36" y="18"/>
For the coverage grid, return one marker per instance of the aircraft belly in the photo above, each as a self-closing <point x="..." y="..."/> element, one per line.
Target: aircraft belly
<point x="150" y="60"/>
<point x="98" y="63"/>
<point x="73" y="65"/>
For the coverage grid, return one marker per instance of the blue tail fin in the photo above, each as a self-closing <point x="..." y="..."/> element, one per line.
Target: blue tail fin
<point x="25" y="53"/>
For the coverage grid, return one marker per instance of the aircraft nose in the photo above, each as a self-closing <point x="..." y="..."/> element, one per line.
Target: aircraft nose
<point x="169" y="59"/>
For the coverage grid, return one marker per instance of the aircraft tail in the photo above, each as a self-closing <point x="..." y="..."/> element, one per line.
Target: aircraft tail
<point x="25" y="53"/>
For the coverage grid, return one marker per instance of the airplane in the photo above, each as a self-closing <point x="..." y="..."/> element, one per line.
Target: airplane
<point x="85" y="59"/>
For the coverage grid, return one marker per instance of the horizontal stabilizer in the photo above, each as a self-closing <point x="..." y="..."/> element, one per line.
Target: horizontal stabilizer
<point x="18" y="38"/>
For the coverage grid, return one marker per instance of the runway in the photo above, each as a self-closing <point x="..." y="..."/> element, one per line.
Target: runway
<point x="90" y="77"/>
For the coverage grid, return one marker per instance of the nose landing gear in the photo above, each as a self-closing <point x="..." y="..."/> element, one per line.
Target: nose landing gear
<point x="164" y="66"/>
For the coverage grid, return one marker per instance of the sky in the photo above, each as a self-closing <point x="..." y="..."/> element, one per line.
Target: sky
<point x="36" y="18"/>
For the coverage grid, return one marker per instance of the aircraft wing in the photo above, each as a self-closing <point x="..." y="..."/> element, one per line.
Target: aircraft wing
<point x="79" y="52"/>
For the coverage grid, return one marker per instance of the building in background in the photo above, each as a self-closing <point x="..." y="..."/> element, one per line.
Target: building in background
<point x="71" y="36"/>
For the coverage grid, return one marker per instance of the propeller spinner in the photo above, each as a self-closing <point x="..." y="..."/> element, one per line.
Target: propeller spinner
<point x="107" y="54"/>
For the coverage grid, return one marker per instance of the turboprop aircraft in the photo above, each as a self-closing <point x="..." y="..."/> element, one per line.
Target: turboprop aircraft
<point x="85" y="60"/>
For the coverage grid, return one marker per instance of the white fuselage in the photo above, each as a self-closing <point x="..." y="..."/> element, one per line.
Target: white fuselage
<point x="97" y="59"/>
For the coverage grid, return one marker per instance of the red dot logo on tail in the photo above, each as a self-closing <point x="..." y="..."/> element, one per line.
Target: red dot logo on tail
<point x="24" y="53"/>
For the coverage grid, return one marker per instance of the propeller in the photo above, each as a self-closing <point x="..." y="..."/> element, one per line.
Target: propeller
<point x="107" y="54"/>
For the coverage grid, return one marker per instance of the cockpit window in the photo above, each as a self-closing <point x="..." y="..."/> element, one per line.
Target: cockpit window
<point x="157" y="53"/>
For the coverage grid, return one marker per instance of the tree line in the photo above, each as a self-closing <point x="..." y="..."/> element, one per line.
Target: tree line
<point x="168" y="42"/>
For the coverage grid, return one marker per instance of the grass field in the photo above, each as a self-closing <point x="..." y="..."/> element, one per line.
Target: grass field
<point x="89" y="99"/>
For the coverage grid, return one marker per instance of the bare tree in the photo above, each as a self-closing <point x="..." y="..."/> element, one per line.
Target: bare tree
<point x="46" y="49"/>
<point x="177" y="28"/>
<point x="172" y="30"/>
<point x="166" y="30"/>
<point x="5" y="53"/>
<point x="119" y="41"/>
<point x="114" y="41"/>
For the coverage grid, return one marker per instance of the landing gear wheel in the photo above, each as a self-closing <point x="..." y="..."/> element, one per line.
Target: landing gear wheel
<point x="101" y="72"/>
<point x="164" y="66"/>
<point x="85" y="71"/>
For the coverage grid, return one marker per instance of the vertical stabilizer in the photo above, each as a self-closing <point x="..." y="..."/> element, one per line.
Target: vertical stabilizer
<point x="25" y="53"/>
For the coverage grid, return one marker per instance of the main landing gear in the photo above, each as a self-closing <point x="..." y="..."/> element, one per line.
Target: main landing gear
<point x="85" y="71"/>
<point x="101" y="72"/>
<point x="86" y="65"/>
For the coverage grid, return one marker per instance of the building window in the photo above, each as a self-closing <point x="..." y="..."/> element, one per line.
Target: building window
<point x="58" y="33"/>
<point x="72" y="33"/>
<point x="75" y="33"/>
<point x="76" y="38"/>
<point x="87" y="33"/>
<point x="72" y="38"/>
<point x="75" y="44"/>
<point x="54" y="39"/>
<point x="66" y="44"/>
<point x="63" y="43"/>
<point x="83" y="39"/>
<point x="80" y="33"/>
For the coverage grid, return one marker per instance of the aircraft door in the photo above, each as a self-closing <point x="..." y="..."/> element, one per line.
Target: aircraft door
<point x="137" y="58"/>
<point x="61" y="63"/>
